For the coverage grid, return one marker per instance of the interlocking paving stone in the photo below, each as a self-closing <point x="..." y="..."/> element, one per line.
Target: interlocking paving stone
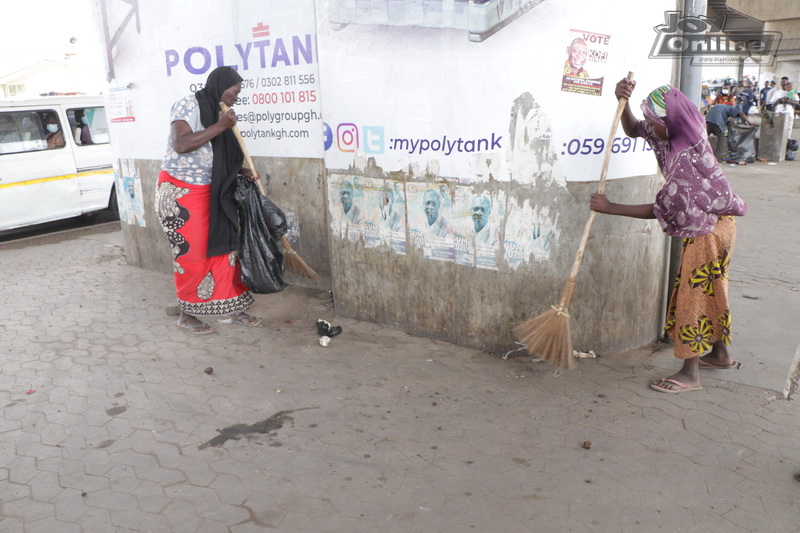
<point x="95" y="519"/>
<point x="382" y="431"/>
<point x="51" y="524"/>
<point x="28" y="509"/>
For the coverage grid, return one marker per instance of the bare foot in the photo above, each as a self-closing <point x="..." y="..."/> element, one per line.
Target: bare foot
<point x="718" y="358"/>
<point x="192" y="324"/>
<point x="687" y="379"/>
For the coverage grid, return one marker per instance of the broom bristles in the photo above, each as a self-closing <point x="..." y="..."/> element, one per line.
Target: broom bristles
<point x="295" y="264"/>
<point x="548" y="336"/>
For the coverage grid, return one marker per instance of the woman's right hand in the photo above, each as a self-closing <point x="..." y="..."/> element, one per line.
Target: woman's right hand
<point x="624" y="88"/>
<point x="227" y="119"/>
<point x="598" y="202"/>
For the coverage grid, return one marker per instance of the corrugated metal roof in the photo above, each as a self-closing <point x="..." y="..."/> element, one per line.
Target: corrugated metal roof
<point x="789" y="45"/>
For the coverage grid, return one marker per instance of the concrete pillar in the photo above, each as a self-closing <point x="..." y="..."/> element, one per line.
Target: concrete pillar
<point x="691" y="79"/>
<point x="775" y="131"/>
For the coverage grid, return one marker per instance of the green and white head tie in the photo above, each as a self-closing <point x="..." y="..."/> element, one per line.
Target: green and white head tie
<point x="657" y="102"/>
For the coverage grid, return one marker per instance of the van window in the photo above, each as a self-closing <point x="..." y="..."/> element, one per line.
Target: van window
<point x="27" y="131"/>
<point x="88" y="125"/>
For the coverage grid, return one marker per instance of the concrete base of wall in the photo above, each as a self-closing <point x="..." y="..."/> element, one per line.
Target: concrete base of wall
<point x="295" y="185"/>
<point x="617" y="305"/>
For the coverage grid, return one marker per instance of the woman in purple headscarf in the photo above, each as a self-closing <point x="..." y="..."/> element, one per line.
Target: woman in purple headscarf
<point x="696" y="204"/>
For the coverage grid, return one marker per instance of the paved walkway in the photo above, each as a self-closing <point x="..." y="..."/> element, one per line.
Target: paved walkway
<point x="110" y="422"/>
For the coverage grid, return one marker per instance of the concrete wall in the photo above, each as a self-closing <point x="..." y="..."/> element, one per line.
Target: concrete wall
<point x="295" y="185"/>
<point x="617" y="304"/>
<point x="786" y="64"/>
<point x="146" y="246"/>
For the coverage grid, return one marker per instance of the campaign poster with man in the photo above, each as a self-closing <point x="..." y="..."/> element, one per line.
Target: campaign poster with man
<point x="347" y="208"/>
<point x="584" y="66"/>
<point x="485" y="230"/>
<point x="430" y="218"/>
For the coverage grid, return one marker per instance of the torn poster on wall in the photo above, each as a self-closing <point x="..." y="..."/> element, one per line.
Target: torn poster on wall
<point x="444" y="221"/>
<point x="129" y="192"/>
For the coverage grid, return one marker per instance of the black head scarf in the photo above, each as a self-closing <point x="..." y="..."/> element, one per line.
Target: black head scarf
<point x="228" y="157"/>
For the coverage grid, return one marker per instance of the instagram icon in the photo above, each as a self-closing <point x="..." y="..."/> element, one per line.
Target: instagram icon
<point x="347" y="137"/>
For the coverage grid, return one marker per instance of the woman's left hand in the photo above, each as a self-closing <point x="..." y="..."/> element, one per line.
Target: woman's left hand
<point x="252" y="175"/>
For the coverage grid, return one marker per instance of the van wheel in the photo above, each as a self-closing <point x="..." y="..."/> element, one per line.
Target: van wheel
<point x="113" y="205"/>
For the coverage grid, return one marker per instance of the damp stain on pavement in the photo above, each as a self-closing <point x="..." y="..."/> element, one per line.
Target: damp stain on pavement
<point x="237" y="431"/>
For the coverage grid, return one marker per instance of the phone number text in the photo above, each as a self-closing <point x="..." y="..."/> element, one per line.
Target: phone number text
<point x="269" y="82"/>
<point x="596" y="146"/>
<point x="279" y="97"/>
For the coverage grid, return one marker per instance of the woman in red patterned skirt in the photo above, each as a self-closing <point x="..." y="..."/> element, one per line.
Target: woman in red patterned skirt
<point x="194" y="201"/>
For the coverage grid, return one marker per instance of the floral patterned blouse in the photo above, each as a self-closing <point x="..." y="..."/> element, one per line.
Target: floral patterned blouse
<point x="191" y="167"/>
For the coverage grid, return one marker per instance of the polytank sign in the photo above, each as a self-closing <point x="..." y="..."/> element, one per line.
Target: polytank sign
<point x="159" y="52"/>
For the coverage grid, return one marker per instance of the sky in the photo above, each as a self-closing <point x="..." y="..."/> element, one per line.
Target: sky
<point x="33" y="30"/>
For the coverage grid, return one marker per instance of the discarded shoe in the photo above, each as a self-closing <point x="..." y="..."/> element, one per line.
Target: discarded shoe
<point x="334" y="330"/>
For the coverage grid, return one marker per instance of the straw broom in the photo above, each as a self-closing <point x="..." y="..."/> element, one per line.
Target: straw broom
<point x="548" y="335"/>
<point x="294" y="263"/>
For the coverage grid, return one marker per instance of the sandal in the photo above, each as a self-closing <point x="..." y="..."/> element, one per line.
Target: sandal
<point x="736" y="365"/>
<point x="661" y="386"/>
<point x="196" y="329"/>
<point x="243" y="319"/>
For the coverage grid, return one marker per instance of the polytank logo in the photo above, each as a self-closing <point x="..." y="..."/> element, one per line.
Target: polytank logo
<point x="260" y="52"/>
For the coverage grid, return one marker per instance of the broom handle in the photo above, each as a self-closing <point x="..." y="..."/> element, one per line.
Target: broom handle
<point x="248" y="163"/>
<point x="566" y="296"/>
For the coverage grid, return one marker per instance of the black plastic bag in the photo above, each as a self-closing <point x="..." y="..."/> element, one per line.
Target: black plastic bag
<point x="792" y="145"/>
<point x="742" y="143"/>
<point x="259" y="255"/>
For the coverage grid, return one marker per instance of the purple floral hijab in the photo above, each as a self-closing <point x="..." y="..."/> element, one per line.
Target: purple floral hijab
<point x="696" y="193"/>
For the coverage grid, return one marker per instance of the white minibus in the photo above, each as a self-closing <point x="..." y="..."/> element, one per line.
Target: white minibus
<point x="55" y="160"/>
